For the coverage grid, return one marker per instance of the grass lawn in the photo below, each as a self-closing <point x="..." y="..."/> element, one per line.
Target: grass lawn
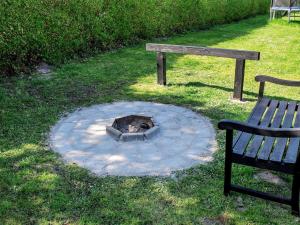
<point x="37" y="188"/>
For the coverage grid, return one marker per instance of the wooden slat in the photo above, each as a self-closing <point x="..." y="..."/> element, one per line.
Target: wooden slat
<point x="293" y="148"/>
<point x="243" y="139"/>
<point x="263" y="102"/>
<point x="269" y="141"/>
<point x="194" y="50"/>
<point x="257" y="140"/>
<point x="274" y="80"/>
<point x="280" y="146"/>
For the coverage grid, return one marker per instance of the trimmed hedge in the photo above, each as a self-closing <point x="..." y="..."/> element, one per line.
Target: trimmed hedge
<point x="32" y="31"/>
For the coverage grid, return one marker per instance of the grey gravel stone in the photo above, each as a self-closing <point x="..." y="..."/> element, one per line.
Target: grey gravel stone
<point x="44" y="68"/>
<point x="132" y="137"/>
<point x="240" y="204"/>
<point x="116" y="134"/>
<point x="152" y="132"/>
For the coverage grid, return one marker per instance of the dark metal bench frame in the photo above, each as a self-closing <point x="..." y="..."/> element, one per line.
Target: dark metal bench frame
<point x="230" y="157"/>
<point x="239" y="55"/>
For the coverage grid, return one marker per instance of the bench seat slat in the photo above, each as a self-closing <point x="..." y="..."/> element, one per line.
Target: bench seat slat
<point x="281" y="143"/>
<point x="243" y="139"/>
<point x="293" y="148"/>
<point x="257" y="140"/>
<point x="269" y="141"/>
<point x="263" y="103"/>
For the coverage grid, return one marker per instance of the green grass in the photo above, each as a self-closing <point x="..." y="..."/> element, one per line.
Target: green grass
<point x="37" y="188"/>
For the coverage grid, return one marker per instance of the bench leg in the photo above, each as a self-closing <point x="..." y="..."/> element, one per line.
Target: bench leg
<point x="227" y="177"/>
<point x="239" y="79"/>
<point x="295" y="194"/>
<point x="228" y="162"/>
<point x="161" y="68"/>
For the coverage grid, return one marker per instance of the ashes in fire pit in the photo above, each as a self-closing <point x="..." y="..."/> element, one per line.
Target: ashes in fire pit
<point x="133" y="127"/>
<point x="133" y="124"/>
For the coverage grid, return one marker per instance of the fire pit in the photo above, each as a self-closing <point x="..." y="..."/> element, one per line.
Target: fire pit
<point x="171" y="138"/>
<point x="132" y="128"/>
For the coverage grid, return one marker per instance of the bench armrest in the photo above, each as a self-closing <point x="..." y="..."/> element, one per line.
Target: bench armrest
<point x="270" y="132"/>
<point x="262" y="79"/>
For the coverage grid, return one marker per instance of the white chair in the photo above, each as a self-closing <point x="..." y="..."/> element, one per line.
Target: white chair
<point x="288" y="6"/>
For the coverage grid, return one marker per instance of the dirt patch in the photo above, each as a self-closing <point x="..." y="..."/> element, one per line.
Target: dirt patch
<point x="78" y="92"/>
<point x="270" y="178"/>
<point x="220" y="220"/>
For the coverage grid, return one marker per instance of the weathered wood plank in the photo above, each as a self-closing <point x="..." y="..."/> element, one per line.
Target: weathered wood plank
<point x="239" y="79"/>
<point x="257" y="140"/>
<point x="263" y="78"/>
<point x="257" y="130"/>
<point x="161" y="68"/>
<point x="280" y="146"/>
<point x="269" y="141"/>
<point x="261" y="89"/>
<point x="250" y="118"/>
<point x="293" y="148"/>
<point x="194" y="50"/>
<point x="244" y="138"/>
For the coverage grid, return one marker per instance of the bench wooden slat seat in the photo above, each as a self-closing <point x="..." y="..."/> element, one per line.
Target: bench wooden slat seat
<point x="270" y="139"/>
<point x="250" y="148"/>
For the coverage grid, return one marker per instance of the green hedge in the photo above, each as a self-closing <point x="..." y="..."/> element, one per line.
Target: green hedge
<point x="55" y="30"/>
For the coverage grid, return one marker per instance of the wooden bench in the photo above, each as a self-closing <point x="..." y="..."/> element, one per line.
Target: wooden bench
<point x="268" y="140"/>
<point x="239" y="55"/>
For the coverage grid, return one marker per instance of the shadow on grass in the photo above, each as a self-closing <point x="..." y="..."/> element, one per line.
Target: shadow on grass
<point x="201" y="84"/>
<point x="36" y="188"/>
<point x="226" y="89"/>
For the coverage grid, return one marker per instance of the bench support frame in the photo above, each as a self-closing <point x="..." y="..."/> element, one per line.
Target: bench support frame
<point x="239" y="79"/>
<point x="228" y="186"/>
<point x="239" y="55"/>
<point x="239" y="158"/>
<point x="161" y="68"/>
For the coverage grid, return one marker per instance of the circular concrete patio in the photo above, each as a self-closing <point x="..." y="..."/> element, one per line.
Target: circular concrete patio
<point x="185" y="139"/>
